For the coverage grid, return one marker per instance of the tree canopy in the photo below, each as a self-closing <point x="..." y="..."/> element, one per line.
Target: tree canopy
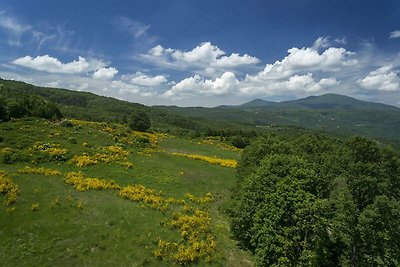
<point x="139" y="121"/>
<point x="314" y="200"/>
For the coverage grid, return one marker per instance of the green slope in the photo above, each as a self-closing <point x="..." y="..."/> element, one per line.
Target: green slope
<point x="96" y="227"/>
<point x="88" y="106"/>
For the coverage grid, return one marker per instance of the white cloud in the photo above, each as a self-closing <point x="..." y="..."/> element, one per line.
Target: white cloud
<point x="11" y="24"/>
<point x="142" y="79"/>
<point x="296" y="84"/>
<point x="197" y="86"/>
<point x="53" y="65"/>
<point x="300" y="72"/>
<point x="14" y="28"/>
<point x="204" y="58"/>
<point x="105" y="73"/>
<point x="394" y="34"/>
<point x="227" y="83"/>
<point x="321" y="42"/>
<point x="135" y="28"/>
<point x="306" y="60"/>
<point x="382" y="79"/>
<point x="139" y="32"/>
<point x="341" y="40"/>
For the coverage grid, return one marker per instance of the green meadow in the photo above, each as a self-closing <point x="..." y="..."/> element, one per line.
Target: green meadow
<point x="52" y="223"/>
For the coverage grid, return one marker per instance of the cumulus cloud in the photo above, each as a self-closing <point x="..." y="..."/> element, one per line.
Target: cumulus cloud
<point x="206" y="58"/>
<point x="227" y="83"/>
<point x="296" y="84"/>
<point x="53" y="65"/>
<point x="306" y="60"/>
<point x="105" y="73"/>
<point x="394" y="35"/>
<point x="302" y="71"/>
<point x="142" y="79"/>
<point x="195" y="86"/>
<point x="382" y="79"/>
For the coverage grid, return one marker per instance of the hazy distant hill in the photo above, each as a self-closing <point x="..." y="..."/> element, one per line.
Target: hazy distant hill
<point x="327" y="101"/>
<point x="331" y="112"/>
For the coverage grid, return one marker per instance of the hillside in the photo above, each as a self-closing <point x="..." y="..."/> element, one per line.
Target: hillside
<point x="96" y="194"/>
<point x="88" y="106"/>
<point x="328" y="113"/>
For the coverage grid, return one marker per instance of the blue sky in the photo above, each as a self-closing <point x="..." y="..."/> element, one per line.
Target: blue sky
<point x="205" y="53"/>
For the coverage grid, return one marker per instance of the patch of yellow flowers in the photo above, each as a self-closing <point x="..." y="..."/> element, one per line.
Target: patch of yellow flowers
<point x="114" y="153"/>
<point x="41" y="170"/>
<point x="213" y="142"/>
<point x="153" y="138"/>
<point x="192" y="221"/>
<point x="150" y="197"/>
<point x="83" y="183"/>
<point x="8" y="188"/>
<point x="194" y="226"/>
<point x="50" y="148"/>
<point x="213" y="160"/>
<point x="83" y="160"/>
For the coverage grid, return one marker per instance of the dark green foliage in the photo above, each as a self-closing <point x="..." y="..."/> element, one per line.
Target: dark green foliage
<point x="139" y="121"/>
<point x="239" y="142"/>
<point x="88" y="106"/>
<point x="313" y="200"/>
<point x="14" y="106"/>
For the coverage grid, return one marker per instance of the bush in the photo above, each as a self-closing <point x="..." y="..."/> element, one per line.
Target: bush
<point x="239" y="142"/>
<point x="139" y="121"/>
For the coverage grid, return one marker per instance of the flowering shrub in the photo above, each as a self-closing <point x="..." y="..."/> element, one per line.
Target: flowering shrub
<point x="35" y="207"/>
<point x="117" y="150"/>
<point x="213" y="160"/>
<point x="41" y="170"/>
<point x="224" y="146"/>
<point x="194" y="226"/>
<point x="192" y="221"/>
<point x="83" y="160"/>
<point x="200" y="200"/>
<point x="153" y="138"/>
<point x="139" y="193"/>
<point x="83" y="183"/>
<point x="126" y="164"/>
<point x="115" y="153"/>
<point x="106" y="158"/>
<point x="8" y="188"/>
<point x="50" y="148"/>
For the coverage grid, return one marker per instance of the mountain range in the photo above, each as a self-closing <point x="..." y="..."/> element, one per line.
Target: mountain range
<point x="329" y="113"/>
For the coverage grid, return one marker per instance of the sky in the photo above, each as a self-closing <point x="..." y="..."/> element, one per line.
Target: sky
<point x="207" y="52"/>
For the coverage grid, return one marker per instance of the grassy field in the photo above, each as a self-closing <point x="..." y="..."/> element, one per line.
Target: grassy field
<point x="53" y="224"/>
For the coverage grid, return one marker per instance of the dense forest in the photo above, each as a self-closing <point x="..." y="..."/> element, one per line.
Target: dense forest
<point x="317" y="201"/>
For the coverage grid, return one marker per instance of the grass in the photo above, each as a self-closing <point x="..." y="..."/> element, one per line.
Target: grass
<point x="98" y="228"/>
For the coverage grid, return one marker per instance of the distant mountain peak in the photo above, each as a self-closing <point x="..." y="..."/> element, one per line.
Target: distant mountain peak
<point x="325" y="101"/>
<point x="256" y="103"/>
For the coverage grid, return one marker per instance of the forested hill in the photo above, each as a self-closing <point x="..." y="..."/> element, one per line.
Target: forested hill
<point x="331" y="113"/>
<point x="328" y="113"/>
<point x="88" y="106"/>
